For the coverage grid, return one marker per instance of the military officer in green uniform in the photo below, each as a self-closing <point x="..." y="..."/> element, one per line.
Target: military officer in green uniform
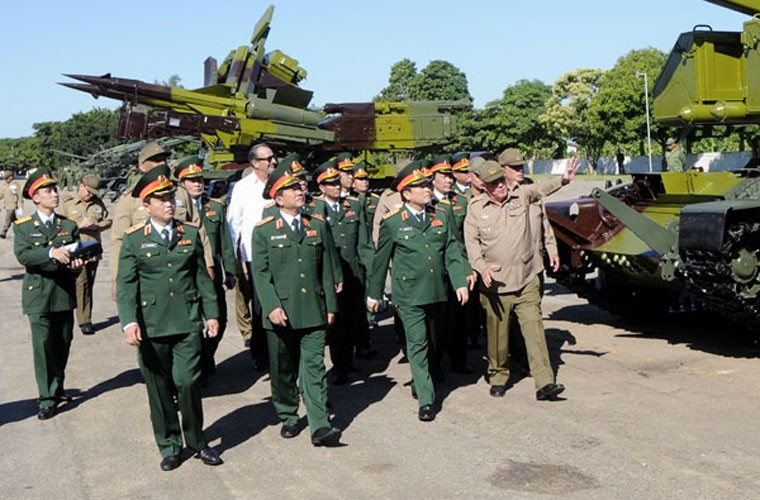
<point x="421" y="242"/>
<point x="369" y="202"/>
<point x="92" y="218"/>
<point x="294" y="280"/>
<point x="344" y="218"/>
<point x="189" y="172"/>
<point x="345" y="165"/>
<point x="460" y="167"/>
<point x="163" y="293"/>
<point x="455" y="337"/>
<point x="42" y="244"/>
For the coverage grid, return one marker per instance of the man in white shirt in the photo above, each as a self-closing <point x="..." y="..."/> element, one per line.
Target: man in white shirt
<point x="244" y="211"/>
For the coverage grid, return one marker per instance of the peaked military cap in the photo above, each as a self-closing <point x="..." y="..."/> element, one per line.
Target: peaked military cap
<point x="345" y="162"/>
<point x="511" y="157"/>
<point x="670" y="141"/>
<point x="279" y="179"/>
<point x="151" y="150"/>
<point x="91" y="182"/>
<point x="460" y="162"/>
<point x="490" y="171"/>
<point x="37" y="179"/>
<point x="326" y="172"/>
<point x="414" y="174"/>
<point x="360" y="170"/>
<point x="154" y="182"/>
<point x="188" y="167"/>
<point x="441" y="163"/>
<point x="293" y="162"/>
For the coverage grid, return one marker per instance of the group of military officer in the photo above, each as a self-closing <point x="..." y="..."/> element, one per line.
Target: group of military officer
<point x="313" y="261"/>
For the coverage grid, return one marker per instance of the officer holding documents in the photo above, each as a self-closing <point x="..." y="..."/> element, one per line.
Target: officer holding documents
<point x="42" y="244"/>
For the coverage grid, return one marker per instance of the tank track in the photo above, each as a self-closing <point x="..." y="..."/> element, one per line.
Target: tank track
<point x="708" y="275"/>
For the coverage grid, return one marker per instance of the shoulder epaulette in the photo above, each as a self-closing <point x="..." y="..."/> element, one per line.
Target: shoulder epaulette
<point x="352" y="198"/>
<point x="24" y="219"/>
<point x="220" y="201"/>
<point x="134" y="228"/>
<point x="375" y="195"/>
<point x="265" y="220"/>
<point x="445" y="202"/>
<point x="391" y="213"/>
<point x="191" y="224"/>
<point x="319" y="217"/>
<point x="270" y="204"/>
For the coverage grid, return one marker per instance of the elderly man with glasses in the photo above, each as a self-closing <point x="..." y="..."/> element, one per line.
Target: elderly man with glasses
<point x="244" y="211"/>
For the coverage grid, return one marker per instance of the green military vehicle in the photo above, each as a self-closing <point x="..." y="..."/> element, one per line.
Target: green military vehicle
<point x="255" y="95"/>
<point x="681" y="240"/>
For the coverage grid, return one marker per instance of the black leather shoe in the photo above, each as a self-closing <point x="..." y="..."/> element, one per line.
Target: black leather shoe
<point x="259" y="365"/>
<point x="498" y="391"/>
<point x="289" y="431"/>
<point x="209" y="456"/>
<point x="427" y="413"/>
<point x="549" y="392"/>
<point x="87" y="329"/>
<point x="326" y="436"/>
<point x="170" y="463"/>
<point x="464" y="369"/>
<point x="247" y="343"/>
<point x="46" y="413"/>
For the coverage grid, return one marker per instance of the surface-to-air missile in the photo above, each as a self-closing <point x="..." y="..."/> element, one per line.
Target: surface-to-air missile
<point x="679" y="240"/>
<point x="254" y="95"/>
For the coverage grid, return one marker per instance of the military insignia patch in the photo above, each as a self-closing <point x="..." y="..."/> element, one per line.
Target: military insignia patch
<point x="311" y="232"/>
<point x="275" y="237"/>
<point x="182" y="243"/>
<point x="436" y="223"/>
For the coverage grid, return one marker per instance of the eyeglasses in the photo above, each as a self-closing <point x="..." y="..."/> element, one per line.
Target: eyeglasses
<point x="267" y="159"/>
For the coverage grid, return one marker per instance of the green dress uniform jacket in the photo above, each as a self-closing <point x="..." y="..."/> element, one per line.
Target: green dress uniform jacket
<point x="48" y="296"/>
<point x="164" y="287"/>
<point x="422" y="255"/>
<point x="213" y="215"/>
<point x="294" y="271"/>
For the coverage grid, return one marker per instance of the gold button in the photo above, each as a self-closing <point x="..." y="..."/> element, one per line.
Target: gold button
<point x="171" y="280"/>
<point x="147" y="254"/>
<point x="424" y="233"/>
<point x="280" y="245"/>
<point x="144" y="303"/>
<point x="302" y="275"/>
<point x="31" y="287"/>
<point x="403" y="278"/>
<point x="427" y="246"/>
<point x="430" y="257"/>
<point x="300" y="259"/>
<point x="169" y="264"/>
<point x="432" y="270"/>
<point x="50" y="243"/>
<point x="303" y="290"/>
<point x="171" y="294"/>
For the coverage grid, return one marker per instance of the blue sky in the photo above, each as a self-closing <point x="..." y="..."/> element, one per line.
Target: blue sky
<point x="346" y="46"/>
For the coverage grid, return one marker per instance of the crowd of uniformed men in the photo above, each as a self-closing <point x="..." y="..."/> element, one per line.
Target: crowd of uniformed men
<point x="464" y="241"/>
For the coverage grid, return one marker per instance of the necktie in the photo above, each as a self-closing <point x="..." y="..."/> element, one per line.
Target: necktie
<point x="296" y="226"/>
<point x="48" y="223"/>
<point x="336" y="207"/>
<point x="421" y="217"/>
<point x="165" y="234"/>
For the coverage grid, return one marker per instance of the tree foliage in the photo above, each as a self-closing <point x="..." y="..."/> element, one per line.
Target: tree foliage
<point x="81" y="135"/>
<point x="439" y="80"/>
<point x="402" y="74"/>
<point x="567" y="111"/>
<point x="512" y="121"/>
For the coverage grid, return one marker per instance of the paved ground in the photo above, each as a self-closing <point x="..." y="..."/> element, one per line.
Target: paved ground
<point x="664" y="410"/>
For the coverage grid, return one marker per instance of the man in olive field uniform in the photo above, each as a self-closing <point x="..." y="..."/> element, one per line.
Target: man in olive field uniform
<point x="293" y="277"/>
<point x="92" y="218"/>
<point x="42" y="244"/>
<point x="10" y="193"/>
<point x="501" y="248"/>
<point x="675" y="159"/>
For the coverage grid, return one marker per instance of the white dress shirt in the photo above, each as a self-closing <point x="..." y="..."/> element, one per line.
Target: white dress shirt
<point x="244" y="212"/>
